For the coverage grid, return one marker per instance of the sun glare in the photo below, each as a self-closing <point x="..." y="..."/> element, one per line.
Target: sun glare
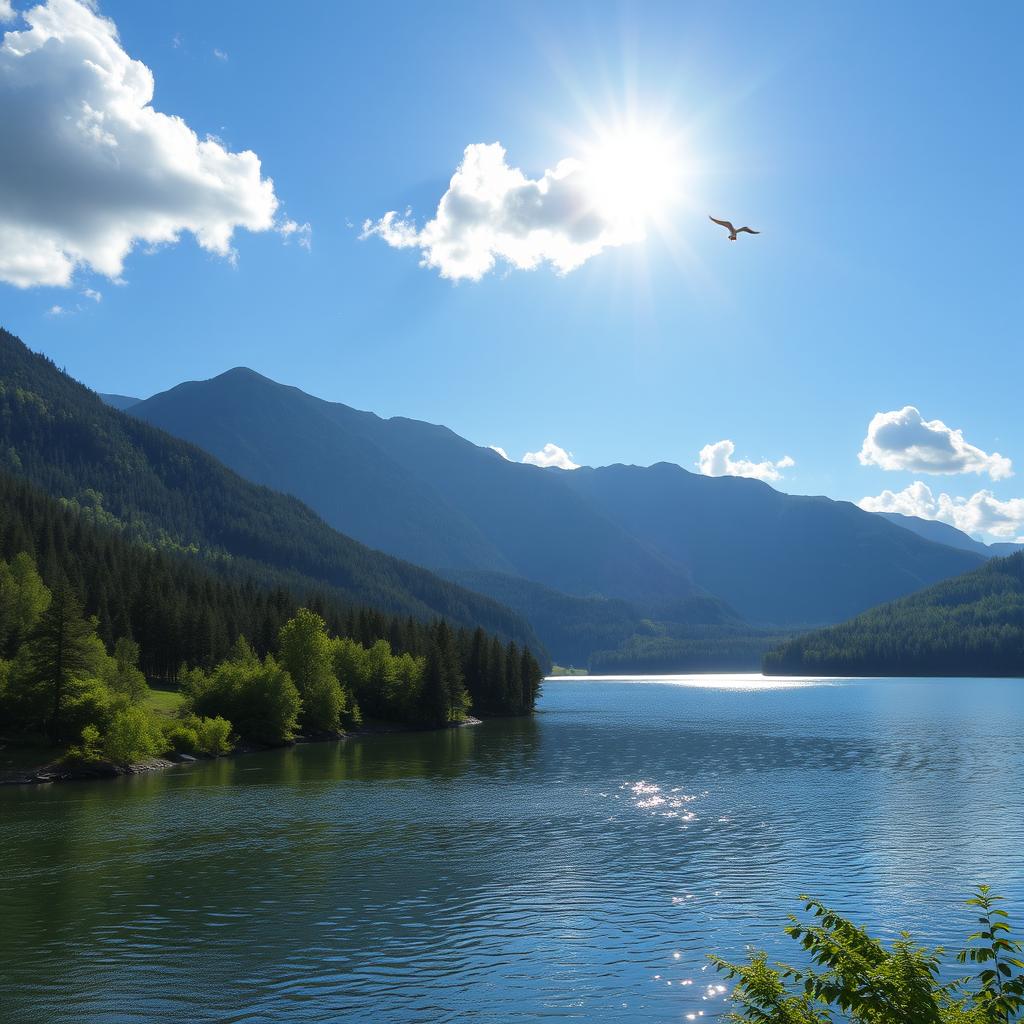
<point x="634" y="176"/>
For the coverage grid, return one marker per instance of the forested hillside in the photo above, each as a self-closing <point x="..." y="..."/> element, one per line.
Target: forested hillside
<point x="970" y="625"/>
<point x="134" y="478"/>
<point x="598" y="553"/>
<point x="86" y="616"/>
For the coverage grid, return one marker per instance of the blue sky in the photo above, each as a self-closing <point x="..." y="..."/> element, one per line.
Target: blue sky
<point x="875" y="146"/>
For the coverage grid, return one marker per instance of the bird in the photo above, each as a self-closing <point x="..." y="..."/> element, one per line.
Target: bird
<point x="733" y="232"/>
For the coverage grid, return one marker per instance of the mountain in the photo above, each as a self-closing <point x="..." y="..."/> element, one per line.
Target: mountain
<point x="656" y="538"/>
<point x="121" y="402"/>
<point x="943" y="533"/>
<point x="114" y="469"/>
<point x="414" y="489"/>
<point x="972" y="625"/>
<point x="575" y="628"/>
<point x="776" y="558"/>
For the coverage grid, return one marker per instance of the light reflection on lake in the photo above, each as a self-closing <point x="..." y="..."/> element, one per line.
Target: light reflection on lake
<point x="577" y="866"/>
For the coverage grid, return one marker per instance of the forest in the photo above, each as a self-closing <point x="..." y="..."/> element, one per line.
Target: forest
<point x="88" y="619"/>
<point x="971" y="625"/>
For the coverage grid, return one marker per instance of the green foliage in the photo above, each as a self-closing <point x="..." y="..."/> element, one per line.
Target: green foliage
<point x="122" y="675"/>
<point x="23" y="599"/>
<point x="214" y="736"/>
<point x="89" y="750"/>
<point x="258" y="697"/>
<point x="62" y="654"/>
<point x="306" y="653"/>
<point x="851" y="976"/>
<point x="132" y="735"/>
<point x="970" y="625"/>
<point x="182" y="738"/>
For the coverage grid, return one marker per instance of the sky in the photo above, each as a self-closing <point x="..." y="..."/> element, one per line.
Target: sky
<point x="495" y="216"/>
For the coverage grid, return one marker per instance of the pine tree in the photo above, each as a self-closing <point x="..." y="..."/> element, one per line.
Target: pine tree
<point x="62" y="647"/>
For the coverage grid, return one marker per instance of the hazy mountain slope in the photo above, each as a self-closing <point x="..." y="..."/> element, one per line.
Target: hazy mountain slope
<point x="970" y="625"/>
<point x="283" y="438"/>
<point x="573" y="628"/>
<point x="776" y="558"/>
<point x="943" y="533"/>
<point x="415" y="488"/>
<point x="58" y="435"/>
<point x="121" y="402"/>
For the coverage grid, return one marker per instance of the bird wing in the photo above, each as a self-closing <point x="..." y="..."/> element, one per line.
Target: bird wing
<point x="749" y="231"/>
<point x="724" y="223"/>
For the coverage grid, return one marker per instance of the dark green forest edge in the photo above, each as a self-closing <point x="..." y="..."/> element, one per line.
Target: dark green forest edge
<point x="71" y="672"/>
<point x="969" y="625"/>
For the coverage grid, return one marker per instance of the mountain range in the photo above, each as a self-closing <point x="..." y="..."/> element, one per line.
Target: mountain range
<point x="591" y="556"/>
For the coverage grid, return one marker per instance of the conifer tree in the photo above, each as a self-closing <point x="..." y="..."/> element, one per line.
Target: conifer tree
<point x="62" y="648"/>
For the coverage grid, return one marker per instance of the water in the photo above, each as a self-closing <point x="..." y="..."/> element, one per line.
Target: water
<point x="574" y="867"/>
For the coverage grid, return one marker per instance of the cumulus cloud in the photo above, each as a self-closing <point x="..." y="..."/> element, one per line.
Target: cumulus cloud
<point x="7" y="12"/>
<point x="717" y="460"/>
<point x="90" y="169"/>
<point x="904" y="440"/>
<point x="219" y="54"/>
<point x="981" y="513"/>
<point x="91" y="293"/>
<point x="551" y="455"/>
<point x="501" y="451"/>
<point x="492" y="211"/>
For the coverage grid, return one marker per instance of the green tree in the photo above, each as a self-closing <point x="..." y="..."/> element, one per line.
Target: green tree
<point x="307" y="654"/>
<point x="433" y="706"/>
<point x="122" y="675"/>
<point x="23" y="599"/>
<point x="853" y="977"/>
<point x="258" y="698"/>
<point x="62" y="651"/>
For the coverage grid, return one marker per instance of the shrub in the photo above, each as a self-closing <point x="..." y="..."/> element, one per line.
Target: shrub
<point x="258" y="698"/>
<point x="182" y="739"/>
<point x="853" y="977"/>
<point x="89" y="750"/>
<point x="214" y="736"/>
<point x="131" y="736"/>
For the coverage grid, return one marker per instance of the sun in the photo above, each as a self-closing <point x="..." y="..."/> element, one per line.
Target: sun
<point x="634" y="176"/>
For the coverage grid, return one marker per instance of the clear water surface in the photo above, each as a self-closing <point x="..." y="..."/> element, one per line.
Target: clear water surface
<point x="574" y="867"/>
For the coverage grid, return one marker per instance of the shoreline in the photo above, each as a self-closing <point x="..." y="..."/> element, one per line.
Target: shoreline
<point x="53" y="771"/>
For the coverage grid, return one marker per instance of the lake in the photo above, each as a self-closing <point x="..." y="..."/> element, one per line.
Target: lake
<point x="577" y="866"/>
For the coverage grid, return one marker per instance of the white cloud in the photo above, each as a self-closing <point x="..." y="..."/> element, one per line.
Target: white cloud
<point x="56" y="311"/>
<point x="717" y="460"/>
<point x="551" y="455"/>
<point x="219" y="54"/>
<point x="91" y="293"/>
<point x="981" y="513"/>
<point x="303" y="233"/>
<point x="90" y="169"/>
<point x="501" y="451"/>
<point x="7" y="12"/>
<point x="904" y="440"/>
<point x="492" y="211"/>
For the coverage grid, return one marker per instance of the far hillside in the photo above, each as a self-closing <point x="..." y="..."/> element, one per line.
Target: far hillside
<point x="637" y="565"/>
<point x="972" y="625"/>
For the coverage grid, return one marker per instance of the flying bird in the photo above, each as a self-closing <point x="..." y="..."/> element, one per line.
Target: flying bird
<point x="733" y="232"/>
